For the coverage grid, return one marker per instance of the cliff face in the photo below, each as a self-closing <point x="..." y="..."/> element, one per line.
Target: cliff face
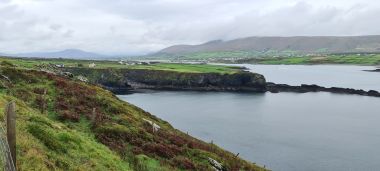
<point x="195" y="81"/>
<point x="123" y="79"/>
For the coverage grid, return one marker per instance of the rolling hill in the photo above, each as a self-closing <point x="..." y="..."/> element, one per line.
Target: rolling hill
<point x="297" y="45"/>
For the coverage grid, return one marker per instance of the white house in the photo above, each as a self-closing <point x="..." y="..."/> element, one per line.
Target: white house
<point x="92" y="65"/>
<point x="60" y="65"/>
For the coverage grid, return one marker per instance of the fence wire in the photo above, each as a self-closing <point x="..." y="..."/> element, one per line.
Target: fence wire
<point x="6" y="163"/>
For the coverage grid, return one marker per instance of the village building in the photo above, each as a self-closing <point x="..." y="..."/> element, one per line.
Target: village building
<point x="92" y="65"/>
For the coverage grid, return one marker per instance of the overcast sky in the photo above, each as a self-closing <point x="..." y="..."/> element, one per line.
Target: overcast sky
<point x="142" y="26"/>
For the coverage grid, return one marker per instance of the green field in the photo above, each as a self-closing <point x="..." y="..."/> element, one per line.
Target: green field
<point x="371" y="59"/>
<point x="278" y="57"/>
<point x="223" y="54"/>
<point x="178" y="67"/>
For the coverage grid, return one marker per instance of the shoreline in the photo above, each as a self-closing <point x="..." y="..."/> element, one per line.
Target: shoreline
<point x="125" y="81"/>
<point x="271" y="88"/>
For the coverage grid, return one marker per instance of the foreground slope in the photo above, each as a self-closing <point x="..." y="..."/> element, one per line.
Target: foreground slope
<point x="64" y="124"/>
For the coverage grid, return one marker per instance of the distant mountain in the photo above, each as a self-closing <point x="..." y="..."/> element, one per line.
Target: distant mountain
<point x="68" y="53"/>
<point x="300" y="44"/>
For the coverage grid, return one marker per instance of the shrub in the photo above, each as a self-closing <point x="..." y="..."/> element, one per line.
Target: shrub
<point x="6" y="64"/>
<point x="39" y="90"/>
<point x="196" y="144"/>
<point x="68" y="115"/>
<point x="61" y="104"/>
<point x="60" y="83"/>
<point x="183" y="163"/>
<point x="162" y="150"/>
<point x="22" y="94"/>
<point x="41" y="103"/>
<point x="137" y="150"/>
<point x="173" y="138"/>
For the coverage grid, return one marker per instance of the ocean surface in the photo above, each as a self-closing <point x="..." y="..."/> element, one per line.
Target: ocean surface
<point x="284" y="131"/>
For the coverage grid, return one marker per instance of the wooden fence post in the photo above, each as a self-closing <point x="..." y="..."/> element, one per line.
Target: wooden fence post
<point x="93" y="116"/>
<point x="44" y="101"/>
<point x="10" y="112"/>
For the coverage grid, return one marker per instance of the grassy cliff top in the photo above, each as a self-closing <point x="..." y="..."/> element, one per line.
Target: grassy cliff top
<point x="192" y="68"/>
<point x="31" y="63"/>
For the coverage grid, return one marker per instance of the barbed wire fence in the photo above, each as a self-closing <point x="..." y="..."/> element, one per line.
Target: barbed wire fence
<point x="7" y="162"/>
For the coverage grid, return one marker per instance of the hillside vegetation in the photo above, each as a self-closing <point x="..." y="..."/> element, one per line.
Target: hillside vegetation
<point x="64" y="124"/>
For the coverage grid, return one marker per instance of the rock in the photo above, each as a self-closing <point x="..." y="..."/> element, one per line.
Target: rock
<point x="313" y="87"/>
<point x="215" y="164"/>
<point x="375" y="70"/>
<point x="373" y="93"/>
<point x="272" y="87"/>
<point x="82" y="78"/>
<point x="67" y="74"/>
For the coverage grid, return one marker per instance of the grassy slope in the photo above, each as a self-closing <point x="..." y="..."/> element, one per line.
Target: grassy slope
<point x="198" y="68"/>
<point x="54" y="131"/>
<point x="43" y="142"/>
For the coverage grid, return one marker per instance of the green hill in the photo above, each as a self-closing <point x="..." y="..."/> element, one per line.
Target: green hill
<point x="57" y="129"/>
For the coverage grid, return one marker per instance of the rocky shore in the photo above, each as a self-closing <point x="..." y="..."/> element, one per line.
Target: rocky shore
<point x="304" y="88"/>
<point x="123" y="81"/>
<point x="375" y="70"/>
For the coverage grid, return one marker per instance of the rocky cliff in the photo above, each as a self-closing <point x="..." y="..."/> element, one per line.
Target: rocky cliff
<point x="122" y="81"/>
<point x="119" y="80"/>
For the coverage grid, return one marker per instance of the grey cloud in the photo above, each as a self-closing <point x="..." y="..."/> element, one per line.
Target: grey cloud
<point x="55" y="27"/>
<point x="68" y="33"/>
<point x="135" y="26"/>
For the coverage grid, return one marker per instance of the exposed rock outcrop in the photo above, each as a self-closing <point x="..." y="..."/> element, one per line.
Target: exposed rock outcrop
<point x="243" y="81"/>
<point x="118" y="80"/>
<point x="122" y="81"/>
<point x="375" y="70"/>
<point x="216" y="165"/>
<point x="304" y="88"/>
